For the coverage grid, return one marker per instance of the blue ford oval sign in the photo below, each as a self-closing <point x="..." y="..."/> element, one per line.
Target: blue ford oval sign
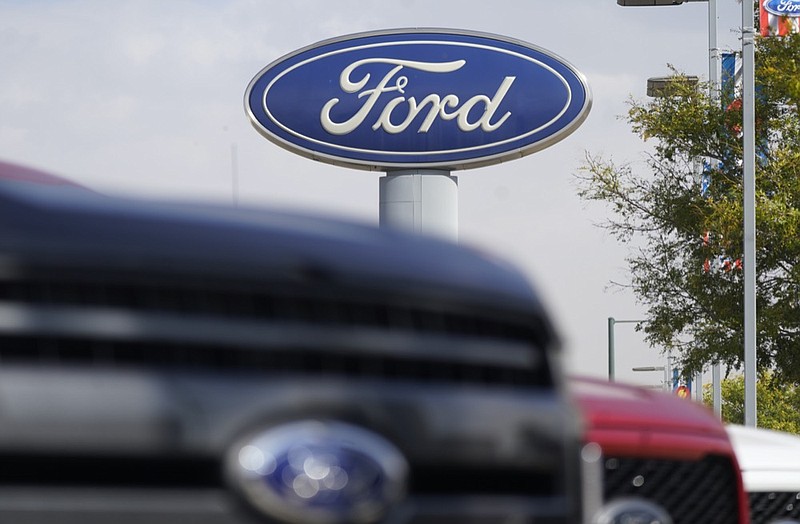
<point x="783" y="7"/>
<point x="404" y="99"/>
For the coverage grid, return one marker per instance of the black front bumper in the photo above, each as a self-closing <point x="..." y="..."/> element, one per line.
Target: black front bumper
<point x="118" y="446"/>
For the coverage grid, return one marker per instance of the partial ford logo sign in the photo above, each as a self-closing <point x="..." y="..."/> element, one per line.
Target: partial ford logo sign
<point x="783" y="7"/>
<point x="404" y="99"/>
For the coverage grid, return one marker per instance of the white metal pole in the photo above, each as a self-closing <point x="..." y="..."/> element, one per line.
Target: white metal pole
<point x="714" y="84"/>
<point x="749" y="203"/>
<point x="713" y="51"/>
<point x="668" y="372"/>
<point x="716" y="376"/>
<point x="420" y="200"/>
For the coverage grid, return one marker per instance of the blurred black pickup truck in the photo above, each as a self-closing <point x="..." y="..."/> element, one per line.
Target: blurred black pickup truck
<point x="182" y="363"/>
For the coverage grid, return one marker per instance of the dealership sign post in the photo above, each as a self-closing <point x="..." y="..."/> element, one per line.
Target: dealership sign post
<point x="418" y="104"/>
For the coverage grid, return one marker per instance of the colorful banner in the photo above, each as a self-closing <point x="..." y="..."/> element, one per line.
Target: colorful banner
<point x="730" y="79"/>
<point x="779" y="17"/>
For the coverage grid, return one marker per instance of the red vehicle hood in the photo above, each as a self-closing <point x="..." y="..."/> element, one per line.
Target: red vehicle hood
<point x="17" y="173"/>
<point x="629" y="420"/>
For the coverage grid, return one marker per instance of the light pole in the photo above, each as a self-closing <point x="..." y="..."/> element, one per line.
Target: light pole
<point x="714" y="88"/>
<point x="611" y="343"/>
<point x="749" y="203"/>
<point x="665" y="86"/>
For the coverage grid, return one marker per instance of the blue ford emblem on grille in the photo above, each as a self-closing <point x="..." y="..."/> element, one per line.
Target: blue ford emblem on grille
<point x="427" y="98"/>
<point x="783" y="7"/>
<point x="319" y="473"/>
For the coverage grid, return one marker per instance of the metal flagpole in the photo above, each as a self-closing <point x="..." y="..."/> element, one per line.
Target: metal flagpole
<point x="749" y="203"/>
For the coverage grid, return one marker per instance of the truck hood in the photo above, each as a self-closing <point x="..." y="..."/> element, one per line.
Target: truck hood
<point x="47" y="221"/>
<point x="629" y="420"/>
<point x="613" y="405"/>
<point x="770" y="460"/>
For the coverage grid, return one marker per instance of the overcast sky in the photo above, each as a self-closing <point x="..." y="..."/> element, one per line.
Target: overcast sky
<point x="145" y="98"/>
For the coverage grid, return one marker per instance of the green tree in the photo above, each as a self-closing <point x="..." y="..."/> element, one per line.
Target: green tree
<point x="778" y="405"/>
<point x="687" y="243"/>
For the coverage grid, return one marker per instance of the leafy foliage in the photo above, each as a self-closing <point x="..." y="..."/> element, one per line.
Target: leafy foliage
<point x="680" y="228"/>
<point x="778" y="404"/>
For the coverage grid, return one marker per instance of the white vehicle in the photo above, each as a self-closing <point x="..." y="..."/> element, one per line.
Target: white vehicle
<point x="770" y="464"/>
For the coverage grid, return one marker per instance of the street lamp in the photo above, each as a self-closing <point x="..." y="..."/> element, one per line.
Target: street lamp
<point x="666" y="385"/>
<point x="664" y="86"/>
<point x="611" y="349"/>
<point x="647" y="3"/>
<point x="713" y="52"/>
<point x="714" y="85"/>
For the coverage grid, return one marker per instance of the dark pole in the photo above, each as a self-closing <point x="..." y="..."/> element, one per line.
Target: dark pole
<point x="611" y="323"/>
<point x="611" y="349"/>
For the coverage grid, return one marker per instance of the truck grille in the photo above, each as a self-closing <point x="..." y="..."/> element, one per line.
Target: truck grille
<point x="201" y="472"/>
<point x="71" y="351"/>
<point x="766" y="507"/>
<point x="190" y="323"/>
<point x="232" y="300"/>
<point x="691" y="491"/>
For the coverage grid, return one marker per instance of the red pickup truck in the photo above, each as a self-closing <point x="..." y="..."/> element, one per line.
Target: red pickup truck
<point x="664" y="459"/>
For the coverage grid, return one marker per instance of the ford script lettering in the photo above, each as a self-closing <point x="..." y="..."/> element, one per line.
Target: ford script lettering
<point x="438" y="104"/>
<point x="783" y="7"/>
<point x="417" y="99"/>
